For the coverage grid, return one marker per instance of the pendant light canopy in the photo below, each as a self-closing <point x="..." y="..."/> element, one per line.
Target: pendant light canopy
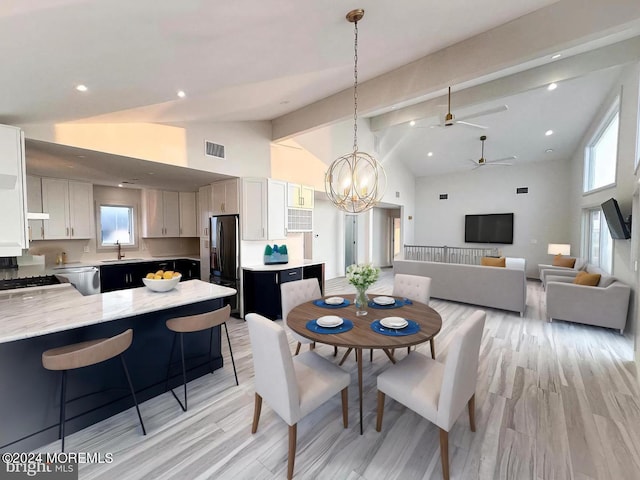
<point x="355" y="182"/>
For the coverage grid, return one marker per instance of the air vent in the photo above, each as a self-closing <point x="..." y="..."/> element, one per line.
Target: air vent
<point x="521" y="190"/>
<point x="213" y="149"/>
<point x="444" y="196"/>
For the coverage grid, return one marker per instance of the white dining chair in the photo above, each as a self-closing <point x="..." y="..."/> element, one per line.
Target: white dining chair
<point x="292" y="387"/>
<point x="436" y="391"/>
<point x="296" y="293"/>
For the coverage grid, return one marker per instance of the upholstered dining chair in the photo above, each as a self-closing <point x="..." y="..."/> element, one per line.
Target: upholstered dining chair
<point x="292" y="387"/>
<point x="436" y="391"/>
<point x="296" y="293"/>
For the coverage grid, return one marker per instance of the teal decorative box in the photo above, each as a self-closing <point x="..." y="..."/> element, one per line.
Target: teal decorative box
<point x="275" y="255"/>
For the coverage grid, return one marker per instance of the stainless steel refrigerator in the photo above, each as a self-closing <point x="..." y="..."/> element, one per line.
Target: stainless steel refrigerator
<point x="225" y="268"/>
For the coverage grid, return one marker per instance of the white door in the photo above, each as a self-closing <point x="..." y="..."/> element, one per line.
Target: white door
<point x="171" y="214"/>
<point x="55" y="201"/>
<point x="204" y="210"/>
<point x="81" y="210"/>
<point x="350" y="240"/>
<point x="306" y="196"/>
<point x="277" y="209"/>
<point x="188" y="214"/>
<point x="254" y="208"/>
<point x="231" y="197"/>
<point x="153" y="226"/>
<point x="218" y="196"/>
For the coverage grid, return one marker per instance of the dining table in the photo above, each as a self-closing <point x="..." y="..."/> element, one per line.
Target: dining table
<point x="360" y="332"/>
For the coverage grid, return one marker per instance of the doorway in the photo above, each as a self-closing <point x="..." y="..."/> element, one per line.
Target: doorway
<point x="350" y="240"/>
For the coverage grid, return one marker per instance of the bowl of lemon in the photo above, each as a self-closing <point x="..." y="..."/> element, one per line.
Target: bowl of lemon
<point x="162" y="281"/>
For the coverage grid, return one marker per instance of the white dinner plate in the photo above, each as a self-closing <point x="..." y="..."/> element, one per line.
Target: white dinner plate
<point x="334" y="301"/>
<point x="329" y="321"/>
<point x="384" y="300"/>
<point x="394" y="322"/>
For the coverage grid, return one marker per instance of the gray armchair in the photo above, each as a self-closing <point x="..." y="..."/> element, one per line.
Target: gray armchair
<point x="545" y="270"/>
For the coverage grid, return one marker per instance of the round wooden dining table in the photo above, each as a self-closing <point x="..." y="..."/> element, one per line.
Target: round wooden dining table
<point x="361" y="336"/>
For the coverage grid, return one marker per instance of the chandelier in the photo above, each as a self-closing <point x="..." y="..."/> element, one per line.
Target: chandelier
<point x="355" y="182"/>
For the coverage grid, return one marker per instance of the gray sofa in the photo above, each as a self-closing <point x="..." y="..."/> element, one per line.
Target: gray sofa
<point x="545" y="270"/>
<point x="605" y="305"/>
<point x="496" y="287"/>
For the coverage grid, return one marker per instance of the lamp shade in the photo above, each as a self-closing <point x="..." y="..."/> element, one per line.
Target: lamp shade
<point x="559" y="249"/>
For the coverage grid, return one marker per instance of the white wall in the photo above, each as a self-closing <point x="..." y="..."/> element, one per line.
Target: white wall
<point x="625" y="252"/>
<point x="381" y="230"/>
<point x="540" y="217"/>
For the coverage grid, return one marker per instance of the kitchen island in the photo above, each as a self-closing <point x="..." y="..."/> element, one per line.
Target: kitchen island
<point x="33" y="320"/>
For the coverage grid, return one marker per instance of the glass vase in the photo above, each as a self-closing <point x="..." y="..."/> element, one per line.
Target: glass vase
<point x="361" y="301"/>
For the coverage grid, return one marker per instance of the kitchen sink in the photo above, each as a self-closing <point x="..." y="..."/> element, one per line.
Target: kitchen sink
<point x="122" y="260"/>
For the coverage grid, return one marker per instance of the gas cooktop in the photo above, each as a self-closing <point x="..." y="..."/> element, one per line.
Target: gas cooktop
<point x="28" y="282"/>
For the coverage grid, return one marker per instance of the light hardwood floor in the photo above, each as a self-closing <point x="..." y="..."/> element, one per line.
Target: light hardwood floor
<point x="554" y="401"/>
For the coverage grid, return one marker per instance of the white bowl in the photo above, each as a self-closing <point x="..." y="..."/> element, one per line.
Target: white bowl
<point x="384" y="300"/>
<point x="161" y="285"/>
<point x="394" y="322"/>
<point x="334" y="301"/>
<point x="329" y="321"/>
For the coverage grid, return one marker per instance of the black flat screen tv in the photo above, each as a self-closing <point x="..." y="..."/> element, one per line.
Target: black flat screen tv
<point x="617" y="225"/>
<point x="491" y="228"/>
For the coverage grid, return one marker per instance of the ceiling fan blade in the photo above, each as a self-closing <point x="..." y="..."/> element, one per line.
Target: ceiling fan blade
<point x="462" y="122"/>
<point x="490" y="111"/>
<point x="474" y="162"/>
<point x="512" y="157"/>
<point x="478" y="165"/>
<point x="494" y="164"/>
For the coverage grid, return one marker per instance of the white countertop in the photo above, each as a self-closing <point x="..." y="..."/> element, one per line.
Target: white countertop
<point x="282" y="266"/>
<point x="31" y="312"/>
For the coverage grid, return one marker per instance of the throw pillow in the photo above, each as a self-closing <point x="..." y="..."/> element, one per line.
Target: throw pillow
<point x="560" y="261"/>
<point x="493" y="262"/>
<point x="588" y="279"/>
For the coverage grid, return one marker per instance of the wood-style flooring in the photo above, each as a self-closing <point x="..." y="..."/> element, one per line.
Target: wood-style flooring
<point x="554" y="401"/>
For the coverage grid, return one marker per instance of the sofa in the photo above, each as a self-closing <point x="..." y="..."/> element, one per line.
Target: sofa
<point x="496" y="287"/>
<point x="604" y="305"/>
<point x="544" y="269"/>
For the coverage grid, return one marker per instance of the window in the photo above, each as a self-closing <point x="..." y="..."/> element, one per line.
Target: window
<point x="116" y="225"/>
<point x="602" y="152"/>
<point x="598" y="241"/>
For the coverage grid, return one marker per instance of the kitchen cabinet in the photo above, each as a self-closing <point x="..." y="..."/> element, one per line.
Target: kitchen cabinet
<point x="34" y="205"/>
<point x="224" y="197"/>
<point x="190" y="269"/>
<point x="123" y="276"/>
<point x="188" y="214"/>
<point x="13" y="234"/>
<point x="262" y="287"/>
<point x="263" y="209"/>
<point x="70" y="207"/>
<point x="299" y="196"/>
<point x="160" y="214"/>
<point x="204" y="210"/>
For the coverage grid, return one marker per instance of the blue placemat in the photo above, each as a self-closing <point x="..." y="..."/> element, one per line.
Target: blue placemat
<point x="321" y="303"/>
<point x="345" y="327"/>
<point x="410" y="329"/>
<point x="397" y="304"/>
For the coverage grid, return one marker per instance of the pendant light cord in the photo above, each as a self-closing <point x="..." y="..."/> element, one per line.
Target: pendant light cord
<point x="355" y="89"/>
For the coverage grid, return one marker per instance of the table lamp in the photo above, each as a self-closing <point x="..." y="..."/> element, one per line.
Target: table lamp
<point x="559" y="249"/>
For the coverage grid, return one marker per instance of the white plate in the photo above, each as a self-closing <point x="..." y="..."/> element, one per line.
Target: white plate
<point x="334" y="301"/>
<point x="329" y="321"/>
<point x="384" y="300"/>
<point x="394" y="322"/>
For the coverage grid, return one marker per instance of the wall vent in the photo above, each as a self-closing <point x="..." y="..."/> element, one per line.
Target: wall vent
<point x="522" y="190"/>
<point x="444" y="196"/>
<point x="213" y="149"/>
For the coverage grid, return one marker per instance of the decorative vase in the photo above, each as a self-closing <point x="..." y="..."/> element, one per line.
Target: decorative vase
<point x="361" y="302"/>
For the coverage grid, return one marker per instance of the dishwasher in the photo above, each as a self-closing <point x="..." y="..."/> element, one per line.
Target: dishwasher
<point x="85" y="279"/>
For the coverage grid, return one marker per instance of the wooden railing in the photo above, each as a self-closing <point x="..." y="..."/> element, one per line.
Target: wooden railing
<point x="427" y="253"/>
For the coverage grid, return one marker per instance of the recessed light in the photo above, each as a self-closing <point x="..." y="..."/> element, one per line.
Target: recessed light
<point x="548" y="132"/>
<point x="81" y="88"/>
<point x="120" y="185"/>
<point x="552" y="86"/>
<point x="430" y="154"/>
<point x="412" y="123"/>
<point x="181" y="94"/>
<point x="549" y="150"/>
<point x="557" y="55"/>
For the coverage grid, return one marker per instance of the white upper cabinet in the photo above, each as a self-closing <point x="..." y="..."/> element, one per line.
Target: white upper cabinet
<point x="13" y="233"/>
<point x="263" y="209"/>
<point x="299" y="196"/>
<point x="224" y="197"/>
<point x="160" y="214"/>
<point x="188" y="214"/>
<point x="34" y="205"/>
<point x="70" y="208"/>
<point x="204" y="211"/>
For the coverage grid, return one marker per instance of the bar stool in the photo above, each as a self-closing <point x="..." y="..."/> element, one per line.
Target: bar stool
<point x="197" y="323"/>
<point x="84" y="354"/>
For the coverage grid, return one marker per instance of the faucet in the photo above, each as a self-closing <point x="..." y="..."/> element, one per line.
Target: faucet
<point x="120" y="254"/>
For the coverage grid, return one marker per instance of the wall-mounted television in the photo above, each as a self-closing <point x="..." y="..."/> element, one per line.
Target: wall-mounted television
<point x="617" y="225"/>
<point x="490" y="228"/>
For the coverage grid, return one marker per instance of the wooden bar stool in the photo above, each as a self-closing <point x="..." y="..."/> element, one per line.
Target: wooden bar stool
<point x="197" y="323"/>
<point x="85" y="354"/>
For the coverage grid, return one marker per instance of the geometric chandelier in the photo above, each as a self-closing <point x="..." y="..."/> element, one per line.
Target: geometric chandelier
<point x="355" y="182"/>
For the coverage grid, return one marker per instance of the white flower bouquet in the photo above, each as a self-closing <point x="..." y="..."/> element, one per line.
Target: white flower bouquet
<point x="362" y="276"/>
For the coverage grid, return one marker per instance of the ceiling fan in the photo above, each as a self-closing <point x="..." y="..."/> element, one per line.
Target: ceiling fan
<point x="482" y="162"/>
<point x="450" y="119"/>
